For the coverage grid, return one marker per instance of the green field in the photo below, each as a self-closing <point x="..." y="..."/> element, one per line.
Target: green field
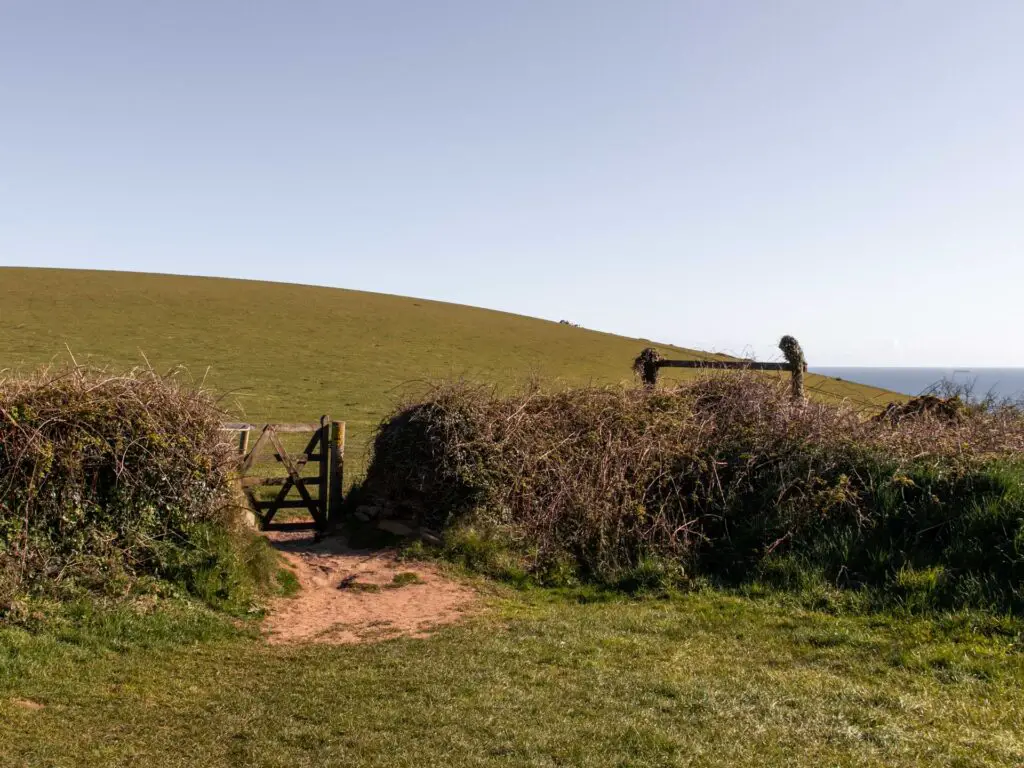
<point x="539" y="679"/>
<point x="294" y="352"/>
<point x="536" y="677"/>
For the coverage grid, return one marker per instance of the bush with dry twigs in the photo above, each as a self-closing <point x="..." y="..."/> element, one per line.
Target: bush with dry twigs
<point x="108" y="478"/>
<point x="724" y="477"/>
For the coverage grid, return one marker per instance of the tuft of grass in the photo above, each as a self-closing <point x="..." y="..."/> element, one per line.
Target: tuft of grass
<point x="404" y="579"/>
<point x="352" y="585"/>
<point x="230" y="570"/>
<point x="287" y="582"/>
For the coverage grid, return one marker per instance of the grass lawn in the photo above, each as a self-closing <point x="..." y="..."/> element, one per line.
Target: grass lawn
<point x="293" y="352"/>
<point x="536" y="679"/>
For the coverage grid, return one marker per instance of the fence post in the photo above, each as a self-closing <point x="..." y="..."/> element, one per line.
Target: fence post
<point x="797" y="365"/>
<point x="337" y="468"/>
<point x="646" y="365"/>
<point x="243" y="442"/>
<point x="323" y="495"/>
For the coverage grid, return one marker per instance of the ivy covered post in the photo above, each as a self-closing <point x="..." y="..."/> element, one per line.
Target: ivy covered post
<point x="646" y="366"/>
<point x="797" y="365"/>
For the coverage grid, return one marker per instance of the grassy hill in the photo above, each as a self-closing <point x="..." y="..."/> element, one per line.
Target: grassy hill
<point x="293" y="352"/>
<point x="538" y="677"/>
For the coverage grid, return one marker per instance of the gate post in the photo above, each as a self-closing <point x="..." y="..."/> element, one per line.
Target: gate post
<point x="243" y="441"/>
<point x="794" y="355"/>
<point x="646" y="366"/>
<point x="325" y="474"/>
<point x="337" y="469"/>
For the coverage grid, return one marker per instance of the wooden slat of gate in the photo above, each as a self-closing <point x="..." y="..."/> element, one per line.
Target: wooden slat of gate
<point x="280" y="428"/>
<point x="278" y="502"/>
<point x="285" y="504"/>
<point x="326" y="445"/>
<point x="270" y="507"/>
<point x="294" y="479"/>
<point x="250" y="482"/>
<point x="248" y="461"/>
<point x="323" y="482"/>
<point x="298" y="525"/>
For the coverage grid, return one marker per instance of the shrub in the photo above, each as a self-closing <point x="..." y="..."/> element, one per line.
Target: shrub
<point x="720" y="477"/>
<point x="104" y="479"/>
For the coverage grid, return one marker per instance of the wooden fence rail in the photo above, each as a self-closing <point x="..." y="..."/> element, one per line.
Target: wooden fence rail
<point x="650" y="361"/>
<point x="737" y="365"/>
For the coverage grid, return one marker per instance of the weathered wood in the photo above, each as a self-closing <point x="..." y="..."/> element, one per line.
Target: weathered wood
<point x="254" y="451"/>
<point x="282" y="504"/>
<point x="337" y="467"/>
<point x="296" y="479"/>
<point x="240" y="426"/>
<point x="274" y="504"/>
<point x="325" y="469"/>
<point x="280" y="428"/>
<point x="299" y="461"/>
<point x="290" y="466"/>
<point x="282" y="455"/>
<point x="733" y="365"/>
<point x="243" y="442"/>
<point x="254" y="482"/>
<point x="292" y="525"/>
<point x="646" y="366"/>
<point x="319" y="449"/>
<point x="650" y="361"/>
<point x="316" y="447"/>
<point x="794" y="355"/>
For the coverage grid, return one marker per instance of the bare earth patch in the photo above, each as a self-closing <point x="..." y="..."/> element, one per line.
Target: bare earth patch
<point x="358" y="596"/>
<point x="27" y="704"/>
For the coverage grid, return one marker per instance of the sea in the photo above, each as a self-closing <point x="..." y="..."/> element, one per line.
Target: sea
<point x="1001" y="383"/>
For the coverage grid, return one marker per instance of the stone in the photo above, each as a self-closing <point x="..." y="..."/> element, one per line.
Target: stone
<point x="430" y="537"/>
<point x="395" y="527"/>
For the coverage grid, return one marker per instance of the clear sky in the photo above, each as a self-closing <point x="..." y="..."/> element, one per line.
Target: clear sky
<point x="712" y="174"/>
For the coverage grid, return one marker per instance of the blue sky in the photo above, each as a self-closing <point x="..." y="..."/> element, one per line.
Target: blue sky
<point x="712" y="174"/>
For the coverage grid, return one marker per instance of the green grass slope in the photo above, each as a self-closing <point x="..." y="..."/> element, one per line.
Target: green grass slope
<point x="294" y="352"/>
<point x="703" y="680"/>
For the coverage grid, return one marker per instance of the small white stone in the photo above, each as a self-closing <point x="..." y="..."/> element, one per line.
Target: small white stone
<point x="395" y="527"/>
<point x="430" y="537"/>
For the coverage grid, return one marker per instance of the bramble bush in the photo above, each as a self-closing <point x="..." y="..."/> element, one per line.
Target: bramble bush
<point x="722" y="478"/>
<point x="108" y="482"/>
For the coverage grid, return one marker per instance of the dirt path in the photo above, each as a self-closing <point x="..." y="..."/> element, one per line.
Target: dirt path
<point x="355" y="596"/>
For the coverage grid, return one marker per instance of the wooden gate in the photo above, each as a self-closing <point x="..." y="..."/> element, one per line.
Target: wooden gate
<point x="319" y="493"/>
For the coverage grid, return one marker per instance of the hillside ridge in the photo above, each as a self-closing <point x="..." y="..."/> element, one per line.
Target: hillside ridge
<point x="290" y="352"/>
